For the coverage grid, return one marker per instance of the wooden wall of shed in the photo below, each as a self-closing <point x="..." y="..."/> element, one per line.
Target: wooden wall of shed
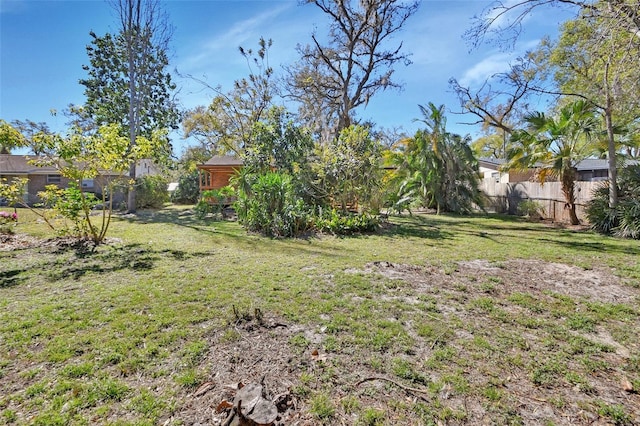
<point x="219" y="177"/>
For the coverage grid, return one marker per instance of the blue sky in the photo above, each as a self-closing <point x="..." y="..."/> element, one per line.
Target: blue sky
<point x="42" y="50"/>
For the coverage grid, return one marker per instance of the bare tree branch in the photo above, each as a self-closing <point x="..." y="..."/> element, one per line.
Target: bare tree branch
<point x="336" y="78"/>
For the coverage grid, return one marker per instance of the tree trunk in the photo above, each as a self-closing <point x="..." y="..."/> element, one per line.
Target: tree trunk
<point x="613" y="170"/>
<point x="131" y="193"/>
<point x="133" y="122"/>
<point x="568" y="188"/>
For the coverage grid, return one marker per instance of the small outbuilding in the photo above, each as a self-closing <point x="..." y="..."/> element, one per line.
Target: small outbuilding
<point x="215" y="173"/>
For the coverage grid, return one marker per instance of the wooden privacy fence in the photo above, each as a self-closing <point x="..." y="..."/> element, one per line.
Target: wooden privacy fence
<point x="505" y="197"/>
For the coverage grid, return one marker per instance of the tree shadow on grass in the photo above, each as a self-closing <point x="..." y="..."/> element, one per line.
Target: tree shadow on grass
<point x="600" y="247"/>
<point x="165" y="216"/>
<point x="133" y="257"/>
<point x="10" y="278"/>
<point x="416" y="226"/>
<point x="184" y="218"/>
<point x="555" y="234"/>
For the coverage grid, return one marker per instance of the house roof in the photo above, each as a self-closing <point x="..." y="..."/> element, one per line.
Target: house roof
<point x="490" y="163"/>
<point x="592" y="164"/>
<point x="600" y="164"/>
<point x="19" y="165"/>
<point x="224" y="160"/>
<point x="584" y="165"/>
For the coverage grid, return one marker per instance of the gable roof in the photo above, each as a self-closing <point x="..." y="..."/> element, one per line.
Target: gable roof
<point x="224" y="160"/>
<point x="490" y="163"/>
<point x="19" y="165"/>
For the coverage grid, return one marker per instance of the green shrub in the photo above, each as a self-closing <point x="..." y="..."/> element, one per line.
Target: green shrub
<point x="213" y="201"/>
<point x="270" y="206"/>
<point x="151" y="192"/>
<point x="624" y="220"/>
<point x="334" y="222"/>
<point x="188" y="189"/>
<point x="72" y="204"/>
<point x="530" y="208"/>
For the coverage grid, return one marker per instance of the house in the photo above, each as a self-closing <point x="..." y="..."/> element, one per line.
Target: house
<point x="506" y="190"/>
<point x="216" y="173"/>
<point x="589" y="170"/>
<point x="596" y="169"/>
<point x="490" y="170"/>
<point x="19" y="166"/>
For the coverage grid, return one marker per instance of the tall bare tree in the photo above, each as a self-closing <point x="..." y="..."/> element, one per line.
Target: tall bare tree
<point x="502" y="21"/>
<point x="332" y="79"/>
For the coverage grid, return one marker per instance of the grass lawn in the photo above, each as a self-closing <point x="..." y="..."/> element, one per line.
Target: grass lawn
<point x="435" y="320"/>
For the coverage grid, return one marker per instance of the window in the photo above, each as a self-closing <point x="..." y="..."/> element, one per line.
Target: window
<point x="53" y="179"/>
<point x="87" y="183"/>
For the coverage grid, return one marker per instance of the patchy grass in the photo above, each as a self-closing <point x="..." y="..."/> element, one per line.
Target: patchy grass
<point x="461" y="320"/>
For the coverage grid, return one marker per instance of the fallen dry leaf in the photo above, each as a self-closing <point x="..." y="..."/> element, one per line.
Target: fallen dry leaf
<point x="627" y="385"/>
<point x="318" y="357"/>
<point x="203" y="388"/>
<point x="223" y="406"/>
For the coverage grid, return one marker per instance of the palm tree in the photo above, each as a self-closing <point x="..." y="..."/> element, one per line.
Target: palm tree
<point x="555" y="145"/>
<point x="438" y="168"/>
<point x="419" y="168"/>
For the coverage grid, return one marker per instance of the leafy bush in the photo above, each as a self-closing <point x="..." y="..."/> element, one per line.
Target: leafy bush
<point x="213" y="202"/>
<point x="530" y="208"/>
<point x="345" y="224"/>
<point x="151" y="192"/>
<point x="270" y="206"/>
<point x="72" y="204"/>
<point x="348" y="171"/>
<point x="624" y="220"/>
<point x="188" y="189"/>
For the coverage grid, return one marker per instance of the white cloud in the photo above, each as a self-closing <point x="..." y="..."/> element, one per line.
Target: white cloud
<point x="245" y="30"/>
<point x="493" y="64"/>
<point x="218" y="46"/>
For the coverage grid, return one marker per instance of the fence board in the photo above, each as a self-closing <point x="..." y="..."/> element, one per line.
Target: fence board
<point x="505" y="197"/>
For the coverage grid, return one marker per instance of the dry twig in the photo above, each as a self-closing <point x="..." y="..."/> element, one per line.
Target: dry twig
<point x="400" y="385"/>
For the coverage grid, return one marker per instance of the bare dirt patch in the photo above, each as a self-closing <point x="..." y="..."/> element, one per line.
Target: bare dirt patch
<point x="531" y="372"/>
<point x="597" y="284"/>
<point x="10" y="242"/>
